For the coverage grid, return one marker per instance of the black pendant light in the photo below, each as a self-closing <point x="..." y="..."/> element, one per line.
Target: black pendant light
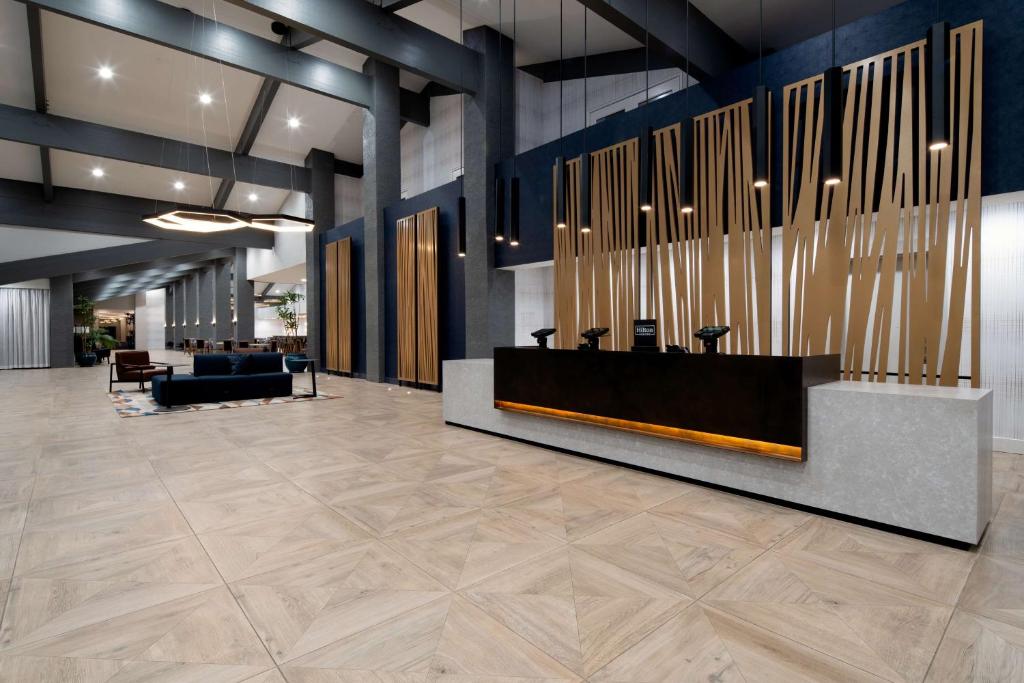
<point x="761" y="111"/>
<point x="560" y="159"/>
<point x="461" y="214"/>
<point x="937" y="80"/>
<point x="832" y="129"/>
<point x="685" y="161"/>
<point x="513" y="182"/>
<point x="462" y="227"/>
<point x="499" y="182"/>
<point x="646" y="200"/>
<point x="585" y="199"/>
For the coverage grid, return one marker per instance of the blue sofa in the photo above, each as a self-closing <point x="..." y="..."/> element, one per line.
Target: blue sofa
<point x="226" y="377"/>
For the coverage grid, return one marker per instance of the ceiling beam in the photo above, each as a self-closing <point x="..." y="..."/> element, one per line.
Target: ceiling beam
<point x="163" y="264"/>
<point x="380" y="34"/>
<point x="107" y="214"/>
<point x="94" y="139"/>
<point x="712" y="50"/>
<point x="601" y="64"/>
<point x="35" y="43"/>
<point x="349" y="168"/>
<point x="395" y="5"/>
<point x="93" y="259"/>
<point x="120" y="286"/>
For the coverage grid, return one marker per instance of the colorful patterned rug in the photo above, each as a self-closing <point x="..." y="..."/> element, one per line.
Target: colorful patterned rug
<point x="138" y="404"/>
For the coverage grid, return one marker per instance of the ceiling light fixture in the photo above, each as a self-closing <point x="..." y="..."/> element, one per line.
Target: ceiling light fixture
<point x="205" y="98"/>
<point x="178" y="185"/>
<point x="685" y="161"/>
<point x="646" y="201"/>
<point x="294" y="122"/>
<point x="832" y="126"/>
<point x="761" y="110"/>
<point x="279" y="222"/>
<point x="937" y="50"/>
<point x="460" y="226"/>
<point x="513" y="183"/>
<point x="98" y="172"/>
<point x="105" y="72"/>
<point x="253" y="196"/>
<point x="196" y="219"/>
<point x="560" y="159"/>
<point x="585" y="192"/>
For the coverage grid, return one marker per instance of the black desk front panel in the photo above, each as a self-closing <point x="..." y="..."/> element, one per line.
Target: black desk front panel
<point x="749" y="403"/>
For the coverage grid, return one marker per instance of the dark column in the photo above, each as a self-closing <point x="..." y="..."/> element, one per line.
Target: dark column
<point x="319" y="207"/>
<point x="168" y="314"/>
<point x="191" y="306"/>
<point x="382" y="185"/>
<point x="223" y="327"/>
<point x="490" y="293"/>
<point x="244" y="313"/>
<point x="179" y="312"/>
<point x="204" y="302"/>
<point x="62" y="322"/>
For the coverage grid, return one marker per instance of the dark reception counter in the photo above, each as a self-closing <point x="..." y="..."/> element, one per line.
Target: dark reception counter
<point x="755" y="404"/>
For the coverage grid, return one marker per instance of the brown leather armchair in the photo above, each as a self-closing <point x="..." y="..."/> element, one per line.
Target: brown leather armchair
<point x="132" y="367"/>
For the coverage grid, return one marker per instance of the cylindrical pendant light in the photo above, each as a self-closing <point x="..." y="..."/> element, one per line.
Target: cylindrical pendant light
<point x="686" y="165"/>
<point x="937" y="80"/>
<point x="585" y="198"/>
<point x="462" y="227"/>
<point x="499" y="209"/>
<point x="560" y="159"/>
<point x="832" y="129"/>
<point x="646" y="198"/>
<point x="560" y="192"/>
<point x="513" y="211"/>
<point x="761" y="111"/>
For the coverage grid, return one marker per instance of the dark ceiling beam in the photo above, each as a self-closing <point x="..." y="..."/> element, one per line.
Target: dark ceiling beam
<point x="165" y="264"/>
<point x="380" y="34"/>
<point x="100" y="290"/>
<point x="83" y="137"/>
<point x="107" y="214"/>
<point x="601" y="64"/>
<point x="94" y="259"/>
<point x="35" y="43"/>
<point x="180" y="29"/>
<point x="712" y="50"/>
<point x="349" y="168"/>
<point x="395" y="5"/>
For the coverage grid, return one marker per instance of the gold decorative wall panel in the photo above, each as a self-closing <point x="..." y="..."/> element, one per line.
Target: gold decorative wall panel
<point x="418" y="349"/>
<point x="338" y="286"/>
<point x="880" y="267"/>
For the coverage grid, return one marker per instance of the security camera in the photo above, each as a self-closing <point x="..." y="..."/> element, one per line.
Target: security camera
<point x="593" y="337"/>
<point x="709" y="336"/>
<point x="542" y="335"/>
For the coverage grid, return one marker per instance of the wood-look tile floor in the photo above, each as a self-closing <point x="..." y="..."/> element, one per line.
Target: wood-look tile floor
<point x="362" y="540"/>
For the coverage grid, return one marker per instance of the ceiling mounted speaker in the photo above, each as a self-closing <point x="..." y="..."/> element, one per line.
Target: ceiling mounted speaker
<point x="761" y="111"/>
<point x="937" y="80"/>
<point x="832" y="130"/>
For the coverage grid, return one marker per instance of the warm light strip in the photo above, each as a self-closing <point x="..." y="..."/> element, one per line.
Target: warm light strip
<point x="732" y="443"/>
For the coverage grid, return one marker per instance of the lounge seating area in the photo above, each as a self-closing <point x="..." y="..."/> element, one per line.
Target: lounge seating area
<point x="133" y="367"/>
<point x="225" y="377"/>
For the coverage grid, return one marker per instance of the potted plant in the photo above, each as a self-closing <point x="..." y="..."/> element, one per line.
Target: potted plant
<point x="89" y="335"/>
<point x="288" y="313"/>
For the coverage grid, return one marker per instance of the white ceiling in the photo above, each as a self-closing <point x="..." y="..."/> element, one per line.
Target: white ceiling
<point x="20" y="162"/>
<point x="24" y="243"/>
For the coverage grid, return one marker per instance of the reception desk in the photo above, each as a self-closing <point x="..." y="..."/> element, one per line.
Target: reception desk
<point x="754" y="404"/>
<point x="914" y="457"/>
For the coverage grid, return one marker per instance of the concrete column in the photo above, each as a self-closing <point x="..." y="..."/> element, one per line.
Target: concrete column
<point x="244" y="313"/>
<point x="382" y="185"/>
<point x="490" y="293"/>
<point x="168" y="314"/>
<point x="179" y="312"/>
<point x="205" y="303"/>
<point x="319" y="207"/>
<point x="62" y="322"/>
<point x="224" y="327"/>
<point x="191" y="306"/>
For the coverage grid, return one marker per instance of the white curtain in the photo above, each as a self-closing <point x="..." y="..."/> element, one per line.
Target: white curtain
<point x="24" y="328"/>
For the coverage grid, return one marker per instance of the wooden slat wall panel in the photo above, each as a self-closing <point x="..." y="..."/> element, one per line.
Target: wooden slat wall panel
<point x="344" y="305"/>
<point x="407" y="299"/>
<point x="597" y="272"/>
<point x="885" y="253"/>
<point x="428" y="359"/>
<point x="331" y="277"/>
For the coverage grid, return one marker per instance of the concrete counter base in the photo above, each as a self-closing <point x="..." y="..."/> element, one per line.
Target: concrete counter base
<point x="910" y="456"/>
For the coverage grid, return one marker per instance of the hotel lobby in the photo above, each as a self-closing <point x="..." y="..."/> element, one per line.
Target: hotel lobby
<point x="508" y="341"/>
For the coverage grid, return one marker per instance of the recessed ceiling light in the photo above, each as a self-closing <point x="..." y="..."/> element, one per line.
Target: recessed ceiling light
<point x="205" y="98"/>
<point x="105" y="72"/>
<point x="303" y="279"/>
<point x="294" y="122"/>
<point x="253" y="196"/>
<point x="98" y="172"/>
<point x="178" y="185"/>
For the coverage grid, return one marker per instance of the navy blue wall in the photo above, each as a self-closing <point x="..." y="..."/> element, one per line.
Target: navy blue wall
<point x="451" y="275"/>
<point x="1002" y="114"/>
<point x="353" y="229"/>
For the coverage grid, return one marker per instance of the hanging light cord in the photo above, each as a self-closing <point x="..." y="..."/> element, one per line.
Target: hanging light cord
<point x="462" y="98"/>
<point x="515" y="101"/>
<point x="227" y="113"/>
<point x="687" y="58"/>
<point x="586" y="111"/>
<point x="833" y="32"/>
<point x="647" y="54"/>
<point x="561" y="76"/>
<point x="760" y="44"/>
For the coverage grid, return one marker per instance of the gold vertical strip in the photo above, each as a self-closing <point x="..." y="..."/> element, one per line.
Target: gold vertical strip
<point x="344" y="305"/>
<point x="406" y="328"/>
<point x="427" y="349"/>
<point x="331" y="305"/>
